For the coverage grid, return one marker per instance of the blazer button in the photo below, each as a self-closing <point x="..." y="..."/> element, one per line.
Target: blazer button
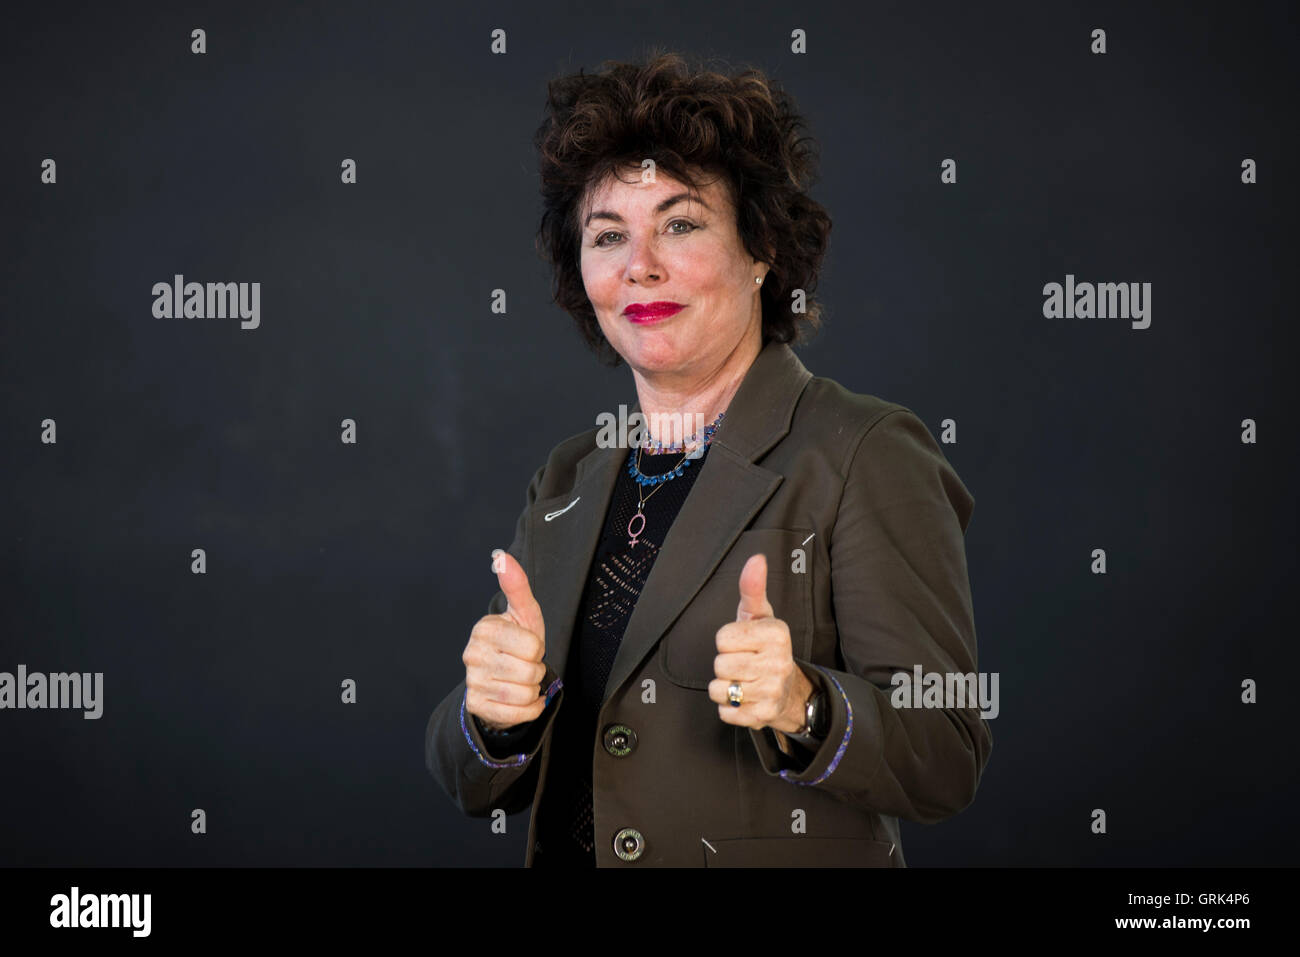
<point x="629" y="844"/>
<point x="620" y="740"/>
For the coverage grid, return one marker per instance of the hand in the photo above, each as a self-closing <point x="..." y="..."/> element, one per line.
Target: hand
<point x="503" y="660"/>
<point x="755" y="651"/>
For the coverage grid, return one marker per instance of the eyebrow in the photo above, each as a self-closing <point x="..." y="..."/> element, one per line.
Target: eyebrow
<point x="671" y="200"/>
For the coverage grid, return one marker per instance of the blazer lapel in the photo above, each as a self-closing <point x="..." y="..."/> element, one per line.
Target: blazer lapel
<point x="566" y="544"/>
<point x="727" y="493"/>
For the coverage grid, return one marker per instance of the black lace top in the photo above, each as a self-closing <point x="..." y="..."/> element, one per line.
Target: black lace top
<point x="618" y="574"/>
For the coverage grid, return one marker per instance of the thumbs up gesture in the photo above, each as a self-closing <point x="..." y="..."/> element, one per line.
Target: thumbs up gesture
<point x="503" y="660"/>
<point x="754" y="652"/>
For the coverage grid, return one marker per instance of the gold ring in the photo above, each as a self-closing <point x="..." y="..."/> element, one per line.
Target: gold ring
<point x="734" y="694"/>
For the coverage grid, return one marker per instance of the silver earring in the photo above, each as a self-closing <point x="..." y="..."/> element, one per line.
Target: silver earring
<point x="759" y="280"/>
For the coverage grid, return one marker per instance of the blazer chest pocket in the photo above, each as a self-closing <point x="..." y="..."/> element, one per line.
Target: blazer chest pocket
<point x="687" y="652"/>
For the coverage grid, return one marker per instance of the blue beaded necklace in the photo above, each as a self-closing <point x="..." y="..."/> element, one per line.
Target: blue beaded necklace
<point x="642" y="480"/>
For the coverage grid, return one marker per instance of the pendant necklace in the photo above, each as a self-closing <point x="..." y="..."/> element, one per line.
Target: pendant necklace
<point x="642" y="480"/>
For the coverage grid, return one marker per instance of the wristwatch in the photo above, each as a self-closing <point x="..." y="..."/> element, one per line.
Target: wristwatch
<point x="817" y="719"/>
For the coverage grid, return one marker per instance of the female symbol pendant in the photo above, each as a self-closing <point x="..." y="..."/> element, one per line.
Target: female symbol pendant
<point x="631" y="542"/>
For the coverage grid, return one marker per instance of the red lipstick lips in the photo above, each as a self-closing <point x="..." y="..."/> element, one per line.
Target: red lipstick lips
<point x="652" y="311"/>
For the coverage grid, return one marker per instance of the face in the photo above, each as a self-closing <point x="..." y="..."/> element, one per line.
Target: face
<point x="659" y="243"/>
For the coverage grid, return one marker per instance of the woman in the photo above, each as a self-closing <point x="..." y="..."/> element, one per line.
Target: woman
<point x="733" y="707"/>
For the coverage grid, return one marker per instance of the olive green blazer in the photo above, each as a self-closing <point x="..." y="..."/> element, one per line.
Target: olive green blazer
<point x="862" y="520"/>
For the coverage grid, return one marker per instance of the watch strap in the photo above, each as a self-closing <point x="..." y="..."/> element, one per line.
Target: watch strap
<point x="814" y="716"/>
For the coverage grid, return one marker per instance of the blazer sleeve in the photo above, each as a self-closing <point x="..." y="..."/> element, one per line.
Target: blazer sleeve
<point x="473" y="772"/>
<point x="901" y="598"/>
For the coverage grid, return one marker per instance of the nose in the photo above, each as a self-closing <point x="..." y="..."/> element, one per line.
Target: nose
<point x="643" y="266"/>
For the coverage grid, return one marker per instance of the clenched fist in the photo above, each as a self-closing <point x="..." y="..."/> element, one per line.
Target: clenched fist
<point x="503" y="660"/>
<point x="755" y="652"/>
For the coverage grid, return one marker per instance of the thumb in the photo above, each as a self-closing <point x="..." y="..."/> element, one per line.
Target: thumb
<point x="521" y="606"/>
<point x="753" y="590"/>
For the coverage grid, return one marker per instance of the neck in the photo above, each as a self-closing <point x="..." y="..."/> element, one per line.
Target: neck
<point x="689" y="402"/>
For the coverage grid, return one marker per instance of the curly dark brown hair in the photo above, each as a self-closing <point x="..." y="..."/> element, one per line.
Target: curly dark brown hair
<point x="690" y="121"/>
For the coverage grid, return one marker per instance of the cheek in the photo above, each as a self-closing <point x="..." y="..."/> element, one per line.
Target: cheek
<point x="603" y="292"/>
<point x="706" y="274"/>
<point x="598" y="283"/>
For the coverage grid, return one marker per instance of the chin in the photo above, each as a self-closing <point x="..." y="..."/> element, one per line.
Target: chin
<point x="655" y="356"/>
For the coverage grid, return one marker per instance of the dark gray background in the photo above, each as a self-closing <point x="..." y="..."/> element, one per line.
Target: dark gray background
<point x="372" y="561"/>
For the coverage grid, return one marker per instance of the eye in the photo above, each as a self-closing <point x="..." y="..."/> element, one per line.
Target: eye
<point x="691" y="227"/>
